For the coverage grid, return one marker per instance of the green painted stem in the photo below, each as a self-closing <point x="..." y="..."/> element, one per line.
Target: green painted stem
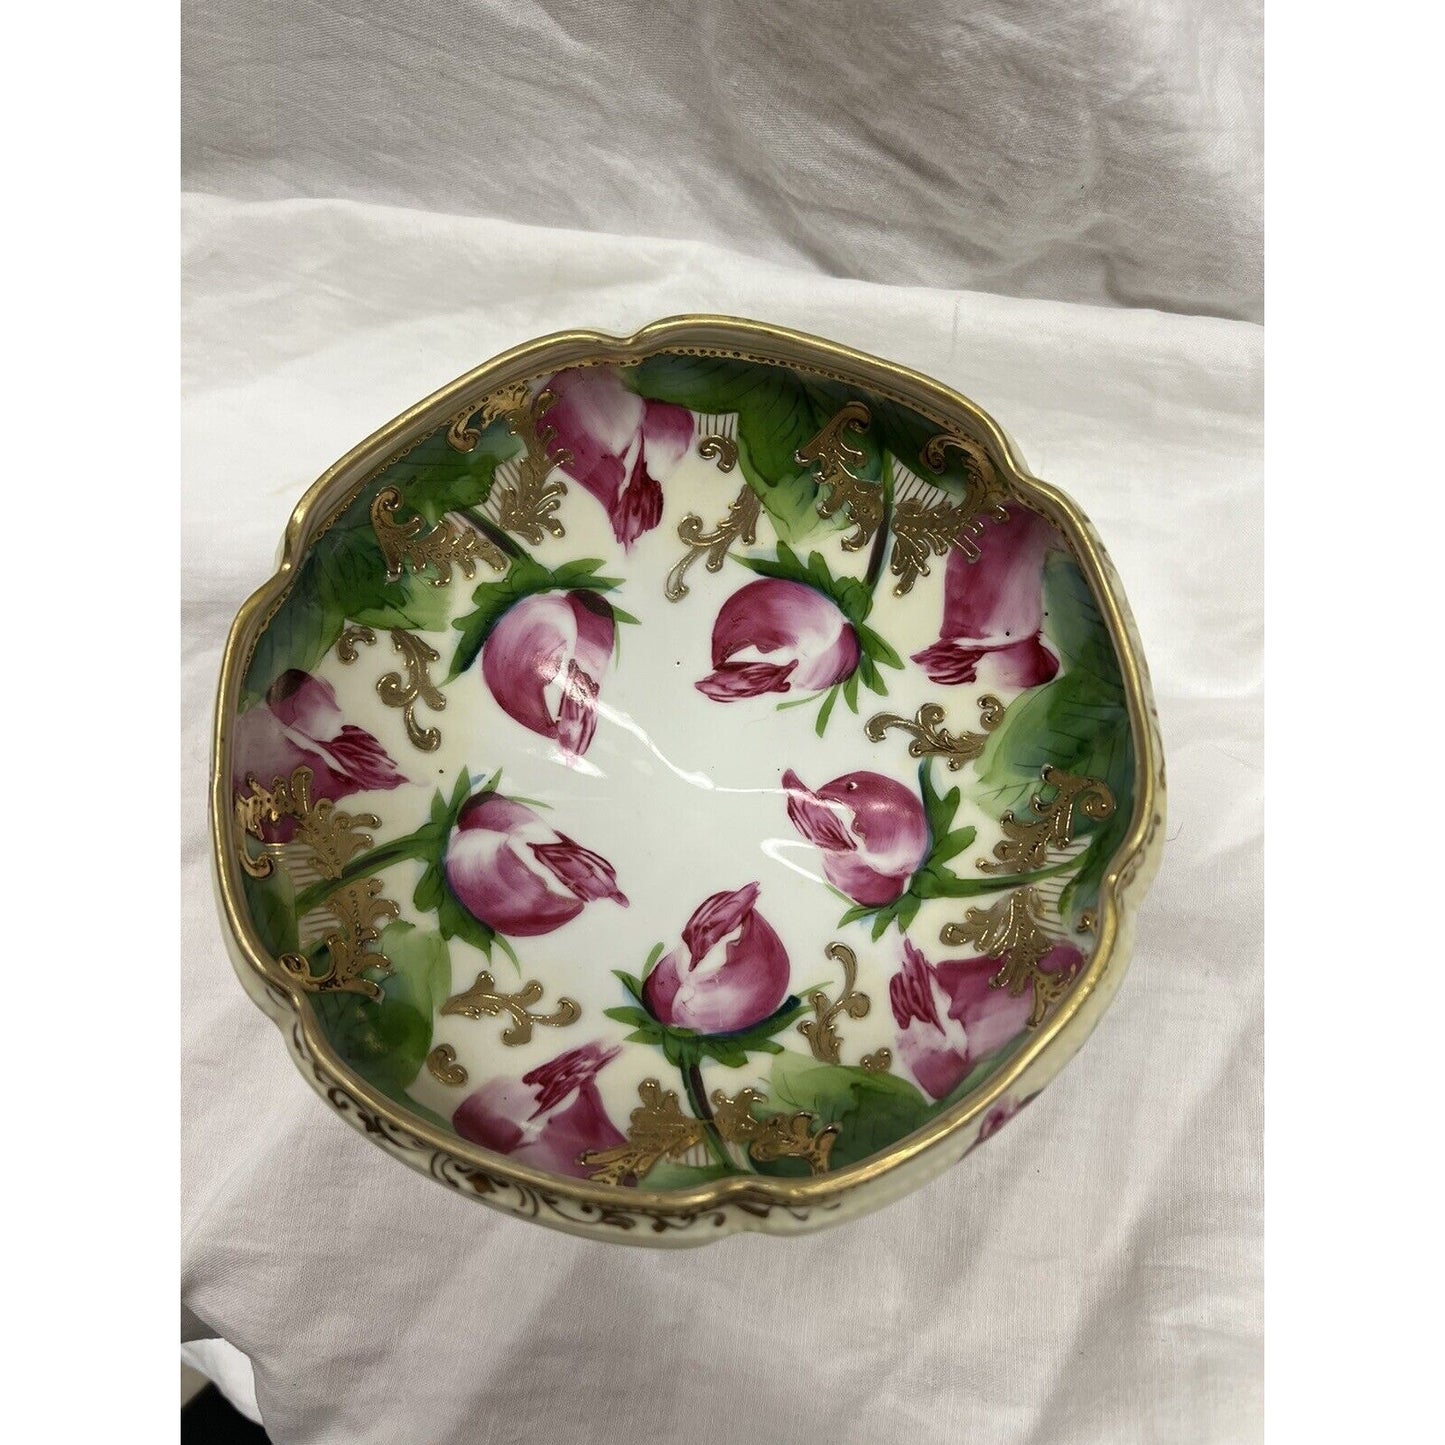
<point x="697" y="1098"/>
<point x="396" y="851"/>
<point x="879" y="554"/>
<point x="489" y="528"/>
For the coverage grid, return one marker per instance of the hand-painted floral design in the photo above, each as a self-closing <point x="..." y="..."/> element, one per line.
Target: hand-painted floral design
<point x="623" y="447"/>
<point x="730" y="972"/>
<point x="950" y="1020"/>
<point x="778" y="636"/>
<point x="300" y="725"/>
<point x="871" y="830"/>
<point x="549" y="1117"/>
<point x="544" y="662"/>
<point x="512" y="872"/>
<point x="993" y="610"/>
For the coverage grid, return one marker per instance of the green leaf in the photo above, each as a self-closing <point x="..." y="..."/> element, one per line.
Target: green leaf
<point x="872" y="1111"/>
<point x="667" y="1175"/>
<point x="387" y="1041"/>
<point x="343" y="579"/>
<point x="826" y="711"/>
<point x="434" y="478"/>
<point x="271" y="903"/>
<point x="1078" y="722"/>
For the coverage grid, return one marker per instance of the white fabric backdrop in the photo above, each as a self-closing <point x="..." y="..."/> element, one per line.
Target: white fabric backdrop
<point x="1093" y="1274"/>
<point x="1104" y="151"/>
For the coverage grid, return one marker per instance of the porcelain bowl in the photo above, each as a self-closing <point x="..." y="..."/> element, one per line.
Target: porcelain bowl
<point x="684" y="783"/>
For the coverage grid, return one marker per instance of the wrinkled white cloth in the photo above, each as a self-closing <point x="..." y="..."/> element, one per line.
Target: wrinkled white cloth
<point x="1093" y="1274"/>
<point x="1105" y="151"/>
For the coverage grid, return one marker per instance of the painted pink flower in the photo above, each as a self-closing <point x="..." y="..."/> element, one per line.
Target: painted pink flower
<point x="549" y="1117"/>
<point x="993" y="609"/>
<point x="300" y="725"/>
<point x="778" y="636"/>
<point x="544" y="662"/>
<point x="950" y="1020"/>
<point x="871" y="830"/>
<point x="623" y="448"/>
<point x="508" y="869"/>
<point x="730" y="973"/>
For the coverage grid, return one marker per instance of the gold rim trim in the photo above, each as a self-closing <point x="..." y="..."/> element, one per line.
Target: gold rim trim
<point x="757" y="341"/>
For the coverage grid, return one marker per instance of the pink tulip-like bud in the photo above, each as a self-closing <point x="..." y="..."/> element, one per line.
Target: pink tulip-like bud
<point x="544" y="662"/>
<point x="872" y="832"/>
<point x="731" y="971"/>
<point x="549" y="1117"/>
<point x="509" y="870"/>
<point x="993" y="609"/>
<point x="778" y="636"/>
<point x="950" y="1019"/>
<point x="300" y="725"/>
<point x="622" y="447"/>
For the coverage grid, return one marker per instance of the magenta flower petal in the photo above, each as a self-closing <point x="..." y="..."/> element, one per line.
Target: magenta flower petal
<point x="871" y="830"/>
<point x="621" y="448"/>
<point x="547" y="1119"/>
<point x="509" y="870"/>
<point x="300" y="725"/>
<point x="731" y="972"/>
<point x="949" y="1017"/>
<point x="746" y="679"/>
<point x="543" y="662"/>
<point x="588" y="875"/>
<point x="774" y="635"/>
<point x="993" y="610"/>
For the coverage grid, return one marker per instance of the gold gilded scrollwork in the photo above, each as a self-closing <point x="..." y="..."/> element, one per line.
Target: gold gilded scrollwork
<point x="741" y="522"/>
<point x="832" y="453"/>
<point x="931" y="739"/>
<point x="483" y="998"/>
<point x="779" y="1136"/>
<point x="1026" y="845"/>
<point x="658" y="1130"/>
<point x="821" y="1031"/>
<point x="463" y="437"/>
<point x="1011" y="930"/>
<point x="719" y="448"/>
<point x="442" y="1065"/>
<point x="921" y="531"/>
<point x="445" y="546"/>
<point x="396" y="691"/>
<point x="529" y="497"/>
<point x="333" y="839"/>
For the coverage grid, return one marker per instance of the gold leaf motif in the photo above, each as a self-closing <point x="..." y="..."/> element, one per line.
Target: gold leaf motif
<point x="442" y="1065"/>
<point x="778" y="1136"/>
<point x="721" y="448"/>
<point x="832" y="453"/>
<point x="932" y="739"/>
<point x="921" y="531"/>
<point x="464" y="437"/>
<point x="285" y="798"/>
<point x="332" y="838"/>
<point x="657" y="1130"/>
<point x="1011" y="930"/>
<point x="1027" y="844"/>
<point x="878" y="1062"/>
<point x="483" y="998"/>
<point x="409" y="544"/>
<point x="528" y="498"/>
<point x="740" y="522"/>
<point x="357" y="907"/>
<point x="820" y="1030"/>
